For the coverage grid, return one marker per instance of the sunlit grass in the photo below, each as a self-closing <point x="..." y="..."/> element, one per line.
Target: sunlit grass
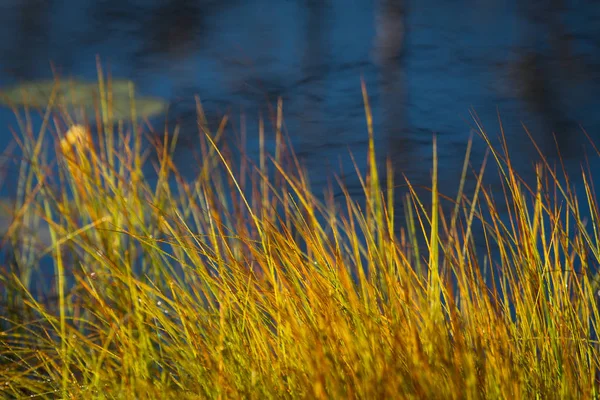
<point x="242" y="283"/>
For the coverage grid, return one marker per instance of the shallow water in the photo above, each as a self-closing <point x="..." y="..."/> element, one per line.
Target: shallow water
<point x="425" y="64"/>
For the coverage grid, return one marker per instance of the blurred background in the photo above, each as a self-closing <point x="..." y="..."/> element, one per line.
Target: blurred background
<point x="426" y="65"/>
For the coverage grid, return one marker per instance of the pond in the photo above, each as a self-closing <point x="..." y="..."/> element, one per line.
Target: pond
<point x="426" y="65"/>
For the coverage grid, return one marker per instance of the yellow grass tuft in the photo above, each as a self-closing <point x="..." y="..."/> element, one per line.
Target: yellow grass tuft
<point x="76" y="136"/>
<point x="242" y="283"/>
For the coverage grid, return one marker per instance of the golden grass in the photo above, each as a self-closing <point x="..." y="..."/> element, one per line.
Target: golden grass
<point x="241" y="283"/>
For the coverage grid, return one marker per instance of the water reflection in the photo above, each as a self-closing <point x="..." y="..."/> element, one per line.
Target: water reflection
<point x="425" y="66"/>
<point x="172" y="29"/>
<point x="29" y="24"/>
<point x="548" y="69"/>
<point x="315" y="66"/>
<point x="389" y="46"/>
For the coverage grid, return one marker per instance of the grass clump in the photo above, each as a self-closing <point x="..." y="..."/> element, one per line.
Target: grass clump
<point x="242" y="283"/>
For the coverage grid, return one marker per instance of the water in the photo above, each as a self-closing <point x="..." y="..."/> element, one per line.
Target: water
<point x="426" y="63"/>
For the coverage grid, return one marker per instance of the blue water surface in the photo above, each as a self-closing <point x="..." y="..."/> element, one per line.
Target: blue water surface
<point x="427" y="65"/>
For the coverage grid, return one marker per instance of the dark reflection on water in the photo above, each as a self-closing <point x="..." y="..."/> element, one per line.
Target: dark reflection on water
<point x="426" y="64"/>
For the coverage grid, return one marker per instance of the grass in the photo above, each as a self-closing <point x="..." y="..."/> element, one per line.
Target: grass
<point x="242" y="283"/>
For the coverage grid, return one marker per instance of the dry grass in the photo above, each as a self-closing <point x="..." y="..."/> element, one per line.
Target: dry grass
<point x="243" y="284"/>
